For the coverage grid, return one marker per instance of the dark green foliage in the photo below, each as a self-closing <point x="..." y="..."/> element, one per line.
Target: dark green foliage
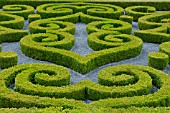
<point x="20" y="10"/>
<point x="158" y="60"/>
<point x="33" y="17"/>
<point x="138" y="11"/>
<point x="8" y="59"/>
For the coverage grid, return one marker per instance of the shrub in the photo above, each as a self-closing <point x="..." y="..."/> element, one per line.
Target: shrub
<point x="33" y="17"/>
<point x="158" y="60"/>
<point x="138" y="11"/>
<point x="126" y="18"/>
<point x="8" y="59"/>
<point x="20" y="10"/>
<point x="11" y="21"/>
<point x="152" y="29"/>
<point x="114" y="25"/>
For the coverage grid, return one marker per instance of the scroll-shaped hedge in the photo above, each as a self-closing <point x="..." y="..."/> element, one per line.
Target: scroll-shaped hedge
<point x="20" y="10"/>
<point x="11" y="21"/>
<point x="43" y="25"/>
<point x="113" y="25"/>
<point x="135" y="92"/>
<point x="111" y="39"/>
<point x="111" y="76"/>
<point x="153" y="28"/>
<point x="11" y="35"/>
<point x="58" y="55"/>
<point x="138" y="11"/>
<point x="63" y="9"/>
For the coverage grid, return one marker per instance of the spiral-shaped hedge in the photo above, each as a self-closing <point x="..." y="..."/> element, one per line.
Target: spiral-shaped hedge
<point x="110" y="39"/>
<point x="43" y="25"/>
<point x="119" y="86"/>
<point x="165" y="48"/>
<point x="138" y="11"/>
<point x="11" y="21"/>
<point x="46" y="47"/>
<point x="63" y="9"/>
<point x="20" y="10"/>
<point x="114" y="25"/>
<point x="154" y="28"/>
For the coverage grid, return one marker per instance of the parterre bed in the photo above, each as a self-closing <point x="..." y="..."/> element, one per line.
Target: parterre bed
<point x="52" y="36"/>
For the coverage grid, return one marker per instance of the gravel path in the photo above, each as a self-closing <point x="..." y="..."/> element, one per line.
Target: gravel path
<point x="83" y="49"/>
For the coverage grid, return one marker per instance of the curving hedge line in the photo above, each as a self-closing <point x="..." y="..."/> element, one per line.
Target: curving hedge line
<point x="159" y="5"/>
<point x="31" y="47"/>
<point x="11" y="35"/>
<point x="63" y="9"/>
<point x="153" y="28"/>
<point x="20" y="10"/>
<point x="43" y="25"/>
<point x="114" y="25"/>
<point x="89" y="110"/>
<point x="28" y="93"/>
<point x="138" y="11"/>
<point x="11" y="21"/>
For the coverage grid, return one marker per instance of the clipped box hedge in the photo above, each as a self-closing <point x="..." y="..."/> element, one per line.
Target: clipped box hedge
<point x="20" y="10"/>
<point x="33" y="17"/>
<point x="158" y="60"/>
<point x="138" y="11"/>
<point x="8" y="59"/>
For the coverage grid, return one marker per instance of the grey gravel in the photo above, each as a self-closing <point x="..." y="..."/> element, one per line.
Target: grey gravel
<point x="81" y="47"/>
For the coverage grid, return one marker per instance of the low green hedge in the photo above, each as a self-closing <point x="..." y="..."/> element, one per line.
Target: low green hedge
<point x="152" y="29"/>
<point x="20" y="10"/>
<point x="8" y="59"/>
<point x="33" y="17"/>
<point x="11" y="21"/>
<point x="158" y="60"/>
<point x="114" y="25"/>
<point x="159" y="5"/>
<point x="32" y="47"/>
<point x="126" y="18"/>
<point x="138" y="11"/>
<point x="89" y="110"/>
<point x="11" y="35"/>
<point x="52" y="39"/>
<point x="34" y="95"/>
<point x="165" y="48"/>
<point x="109" y="39"/>
<point x="42" y="26"/>
<point x="63" y="9"/>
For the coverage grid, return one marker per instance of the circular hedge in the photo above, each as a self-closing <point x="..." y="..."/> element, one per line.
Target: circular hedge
<point x="110" y="92"/>
<point x="158" y="60"/>
<point x="8" y="59"/>
<point x="138" y="11"/>
<point x="20" y="10"/>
